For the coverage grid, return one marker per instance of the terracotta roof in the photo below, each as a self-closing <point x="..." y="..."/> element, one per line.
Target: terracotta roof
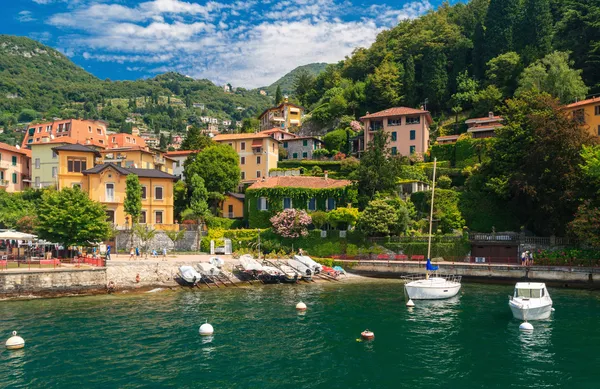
<point x="302" y="138"/>
<point x="180" y="153"/>
<point x="300" y="182"/>
<point x="395" y="111"/>
<point x="584" y="102"/>
<point x="239" y="196"/>
<point x="273" y="130"/>
<point x="225" y="137"/>
<point x="448" y="137"/>
<point x="484" y="128"/>
<point x="7" y="147"/>
<point x="484" y="119"/>
<point x="76" y="147"/>
<point x="147" y="173"/>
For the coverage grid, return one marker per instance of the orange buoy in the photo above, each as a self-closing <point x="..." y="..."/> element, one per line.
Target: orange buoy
<point x="368" y="335"/>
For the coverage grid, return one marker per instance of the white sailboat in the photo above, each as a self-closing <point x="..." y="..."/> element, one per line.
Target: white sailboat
<point x="435" y="287"/>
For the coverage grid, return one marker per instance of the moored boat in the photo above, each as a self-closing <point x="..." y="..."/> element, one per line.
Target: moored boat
<point x="310" y="263"/>
<point x="189" y="275"/>
<point x="530" y="301"/>
<point x="305" y="272"/>
<point x="208" y="269"/>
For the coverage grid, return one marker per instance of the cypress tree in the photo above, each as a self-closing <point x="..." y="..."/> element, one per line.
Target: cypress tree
<point x="478" y="53"/>
<point x="536" y="30"/>
<point x="278" y="96"/>
<point x="435" y="77"/>
<point x="411" y="96"/>
<point x="501" y="22"/>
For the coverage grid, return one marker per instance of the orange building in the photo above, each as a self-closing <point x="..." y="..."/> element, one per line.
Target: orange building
<point x="285" y="115"/>
<point x="233" y="206"/>
<point x="90" y="132"/>
<point x="15" y="167"/>
<point x="125" y="140"/>
<point x="408" y="129"/>
<point x="586" y="112"/>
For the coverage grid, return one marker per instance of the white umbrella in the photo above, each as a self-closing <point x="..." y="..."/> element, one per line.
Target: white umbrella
<point x="16" y="235"/>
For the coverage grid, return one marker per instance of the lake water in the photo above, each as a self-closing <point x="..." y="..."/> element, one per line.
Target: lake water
<point x="152" y="340"/>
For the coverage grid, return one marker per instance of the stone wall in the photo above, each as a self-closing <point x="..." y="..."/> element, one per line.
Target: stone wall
<point x="160" y="241"/>
<point x="151" y="273"/>
<point x="54" y="282"/>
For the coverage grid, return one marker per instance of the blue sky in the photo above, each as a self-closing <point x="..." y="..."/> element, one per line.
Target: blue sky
<point x="246" y="43"/>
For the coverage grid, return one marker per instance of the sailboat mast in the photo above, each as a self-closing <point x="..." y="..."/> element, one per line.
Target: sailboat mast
<point x="431" y="211"/>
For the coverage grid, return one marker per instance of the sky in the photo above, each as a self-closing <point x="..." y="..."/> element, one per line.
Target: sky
<point x="245" y="43"/>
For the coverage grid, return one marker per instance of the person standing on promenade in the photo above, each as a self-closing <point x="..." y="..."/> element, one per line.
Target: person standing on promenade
<point x="108" y="253"/>
<point x="530" y="259"/>
<point x="523" y="258"/>
<point x="164" y="253"/>
<point x="131" y="254"/>
<point x="137" y="252"/>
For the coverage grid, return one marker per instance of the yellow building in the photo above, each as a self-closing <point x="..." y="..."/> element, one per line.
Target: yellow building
<point x="106" y="183"/>
<point x="233" y="206"/>
<point x="258" y="154"/>
<point x="138" y="157"/>
<point x="285" y="116"/>
<point x="587" y="112"/>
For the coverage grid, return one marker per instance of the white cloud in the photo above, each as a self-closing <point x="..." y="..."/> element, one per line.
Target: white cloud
<point x="25" y="16"/>
<point x="242" y="43"/>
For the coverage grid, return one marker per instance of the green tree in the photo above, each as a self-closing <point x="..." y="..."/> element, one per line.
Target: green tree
<point x="198" y="203"/>
<point x="343" y="218"/>
<point x="435" y="77"/>
<point x="218" y="166"/>
<point x="479" y="51"/>
<point x="69" y="217"/>
<point x="338" y="140"/>
<point x="536" y="30"/>
<point x="133" y="198"/>
<point x="384" y="86"/>
<point x="250" y="125"/>
<point x="501" y="22"/>
<point x="278" y="95"/>
<point x="466" y="91"/>
<point x="28" y="115"/>
<point x="487" y="100"/>
<point x="554" y="75"/>
<point x="535" y="163"/>
<point x="303" y="85"/>
<point x="503" y="72"/>
<point x="14" y="208"/>
<point x="145" y="235"/>
<point x="381" y="218"/>
<point x="409" y="82"/>
<point x="195" y="140"/>
<point x="378" y="169"/>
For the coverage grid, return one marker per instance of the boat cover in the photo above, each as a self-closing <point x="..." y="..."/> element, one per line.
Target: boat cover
<point x="189" y="274"/>
<point x="430" y="267"/>
<point x="218" y="262"/>
<point x="308" y="261"/>
<point x="249" y="263"/>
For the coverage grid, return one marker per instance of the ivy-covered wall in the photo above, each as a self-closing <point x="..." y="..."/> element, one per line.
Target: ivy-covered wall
<point x="300" y="197"/>
<point x="467" y="151"/>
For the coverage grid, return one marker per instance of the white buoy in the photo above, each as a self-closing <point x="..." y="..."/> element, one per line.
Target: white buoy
<point x="525" y="326"/>
<point x="301" y="306"/>
<point x="206" y="329"/>
<point x="410" y="303"/>
<point x="15" y="342"/>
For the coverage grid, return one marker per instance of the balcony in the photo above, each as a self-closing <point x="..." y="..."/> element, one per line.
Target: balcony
<point x="4" y="165"/>
<point x="110" y="199"/>
<point x="159" y="160"/>
<point x="3" y="183"/>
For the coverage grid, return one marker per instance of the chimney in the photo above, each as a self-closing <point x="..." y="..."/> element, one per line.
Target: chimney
<point x="367" y="114"/>
<point x="422" y="108"/>
<point x="326" y="174"/>
<point x="491" y="114"/>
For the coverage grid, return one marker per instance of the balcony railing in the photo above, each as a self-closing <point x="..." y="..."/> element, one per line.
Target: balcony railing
<point x="4" y="165"/>
<point x="3" y="183"/>
<point x="110" y="199"/>
<point x="159" y="160"/>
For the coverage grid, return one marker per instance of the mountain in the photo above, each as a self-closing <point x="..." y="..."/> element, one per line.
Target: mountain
<point x="37" y="81"/>
<point x="287" y="82"/>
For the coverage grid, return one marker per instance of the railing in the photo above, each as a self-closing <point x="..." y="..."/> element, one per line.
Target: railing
<point x="499" y="237"/>
<point x="4" y="182"/>
<point x="110" y="199"/>
<point x="11" y="263"/>
<point x="158" y="160"/>
<point x="520" y="239"/>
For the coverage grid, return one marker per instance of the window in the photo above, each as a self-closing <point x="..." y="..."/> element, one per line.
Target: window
<point x="243" y="146"/>
<point x="285" y="145"/>
<point x="376" y="125"/>
<point x="243" y="175"/>
<point x="100" y="141"/>
<point x="412" y="149"/>
<point x="48" y="128"/>
<point x="242" y="160"/>
<point x="37" y="182"/>
<point x="597" y="110"/>
<point x="158" y="193"/>
<point x="76" y="165"/>
<point x="413" y="119"/>
<point x="295" y="155"/>
<point x="0" y="156"/>
<point x="76" y="185"/>
<point x="394" y="136"/>
<point x="14" y="178"/>
<point x="37" y="163"/>
<point x="54" y="155"/>
<point x="114" y="139"/>
<point x="312" y="204"/>
<point x="262" y="204"/>
<point x="39" y="130"/>
<point x="143" y="217"/>
<point x="258" y="159"/>
<point x="330" y="204"/>
<point x="14" y="160"/>
<point x="54" y="171"/>
<point x="60" y="129"/>
<point x="110" y="216"/>
<point x="395" y="122"/>
<point x="158" y="217"/>
<point x="304" y="155"/>
<point x="1" y="175"/>
<point x="413" y="135"/>
<point x="144" y="192"/>
<point x="394" y="151"/>
<point x="110" y="192"/>
<point x="29" y="140"/>
<point x="599" y="130"/>
<point x="287" y="203"/>
<point x="231" y="144"/>
<point x="258" y="174"/>
<point x="305" y="142"/>
<point x="98" y="131"/>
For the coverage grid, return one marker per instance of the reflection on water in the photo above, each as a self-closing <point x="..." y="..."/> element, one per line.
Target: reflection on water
<point x="261" y="341"/>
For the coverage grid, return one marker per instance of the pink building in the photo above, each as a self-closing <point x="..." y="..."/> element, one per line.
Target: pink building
<point x="408" y="129"/>
<point x="14" y="168"/>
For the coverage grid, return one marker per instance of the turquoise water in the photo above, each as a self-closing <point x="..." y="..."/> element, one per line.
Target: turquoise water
<point x="152" y="341"/>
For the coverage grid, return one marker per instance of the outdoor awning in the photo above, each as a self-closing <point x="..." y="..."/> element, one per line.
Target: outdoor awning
<point x="16" y="235"/>
<point x="257" y="143"/>
<point x="294" y="109"/>
<point x="294" y="121"/>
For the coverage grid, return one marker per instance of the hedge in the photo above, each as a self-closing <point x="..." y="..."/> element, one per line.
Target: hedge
<point x="222" y="222"/>
<point x="308" y="164"/>
<point x="446" y="250"/>
<point x="443" y="152"/>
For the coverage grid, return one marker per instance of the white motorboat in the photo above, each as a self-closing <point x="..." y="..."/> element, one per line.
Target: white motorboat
<point x="530" y="301"/>
<point x="436" y="287"/>
<point x="250" y="264"/>
<point x="218" y="262"/>
<point x="208" y="269"/>
<point x="190" y="275"/>
<point x="305" y="272"/>
<point x="308" y="261"/>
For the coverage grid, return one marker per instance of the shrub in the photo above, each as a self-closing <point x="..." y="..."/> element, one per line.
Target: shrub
<point x="381" y="218"/>
<point x="343" y="217"/>
<point x="222" y="222"/>
<point x="444" y="182"/>
<point x="319" y="219"/>
<point x="291" y="223"/>
<point x="316" y="171"/>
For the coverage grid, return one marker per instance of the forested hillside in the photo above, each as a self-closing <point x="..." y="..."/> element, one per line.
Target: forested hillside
<point x="38" y="82"/>
<point x="286" y="83"/>
<point x="466" y="57"/>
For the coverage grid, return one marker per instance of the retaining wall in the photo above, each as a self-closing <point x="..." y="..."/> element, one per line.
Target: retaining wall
<point x="160" y="241"/>
<point x="54" y="282"/>
<point x="556" y="275"/>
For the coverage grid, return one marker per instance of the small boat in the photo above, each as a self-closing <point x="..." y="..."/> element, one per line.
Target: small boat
<point x="289" y="275"/>
<point x="270" y="275"/>
<point x="189" y="275"/>
<point x="208" y="269"/>
<point x="305" y="272"/>
<point x="218" y="262"/>
<point x="308" y="261"/>
<point x="330" y="271"/>
<point x="250" y="264"/>
<point x="530" y="301"/>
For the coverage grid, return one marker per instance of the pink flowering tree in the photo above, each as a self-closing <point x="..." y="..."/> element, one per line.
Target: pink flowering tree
<point x="356" y="126"/>
<point x="291" y="223"/>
